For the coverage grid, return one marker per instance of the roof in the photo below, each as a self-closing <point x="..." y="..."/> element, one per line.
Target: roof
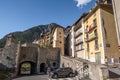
<point x="99" y="5"/>
<point x="52" y="32"/>
<point x="82" y="16"/>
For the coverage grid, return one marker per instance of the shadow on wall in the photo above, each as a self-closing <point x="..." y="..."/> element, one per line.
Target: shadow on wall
<point x="113" y="75"/>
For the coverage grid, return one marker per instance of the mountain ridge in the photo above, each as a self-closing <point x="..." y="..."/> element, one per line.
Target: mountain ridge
<point x="31" y="34"/>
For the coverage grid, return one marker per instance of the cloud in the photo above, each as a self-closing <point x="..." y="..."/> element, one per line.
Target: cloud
<point x="81" y="3"/>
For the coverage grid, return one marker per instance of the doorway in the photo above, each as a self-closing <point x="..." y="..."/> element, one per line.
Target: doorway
<point x="42" y="67"/>
<point x="98" y="58"/>
<point x="27" y="68"/>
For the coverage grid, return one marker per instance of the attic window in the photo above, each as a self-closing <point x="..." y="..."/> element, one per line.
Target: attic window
<point x="60" y="42"/>
<point x="107" y="45"/>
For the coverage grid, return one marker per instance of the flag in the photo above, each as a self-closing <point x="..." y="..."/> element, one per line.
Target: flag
<point x="87" y="30"/>
<point x="90" y="27"/>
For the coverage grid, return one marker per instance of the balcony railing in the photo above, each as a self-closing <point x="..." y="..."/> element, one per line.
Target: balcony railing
<point x="79" y="49"/>
<point x="91" y="37"/>
<point x="94" y="25"/>
<point x="78" y="33"/>
<point x="78" y="41"/>
<point x="91" y="27"/>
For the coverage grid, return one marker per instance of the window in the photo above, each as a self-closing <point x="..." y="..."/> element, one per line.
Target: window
<point x="109" y="1"/>
<point x="86" y="36"/>
<point x="94" y="23"/>
<point x="96" y="44"/>
<point x="81" y="46"/>
<point x="59" y="32"/>
<point x="95" y="33"/>
<point x="88" y="49"/>
<point x="60" y="42"/>
<point x="107" y="45"/>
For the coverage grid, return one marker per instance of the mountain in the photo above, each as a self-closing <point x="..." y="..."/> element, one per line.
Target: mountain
<point x="31" y="34"/>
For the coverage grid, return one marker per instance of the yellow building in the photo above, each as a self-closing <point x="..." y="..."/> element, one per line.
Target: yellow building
<point x="100" y="35"/>
<point x="57" y="38"/>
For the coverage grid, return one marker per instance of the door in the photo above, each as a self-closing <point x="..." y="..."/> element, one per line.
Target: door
<point x="98" y="58"/>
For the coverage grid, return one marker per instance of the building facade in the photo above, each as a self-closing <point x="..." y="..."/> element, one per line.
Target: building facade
<point x="79" y="37"/>
<point x="68" y="50"/>
<point x="72" y="41"/>
<point x="116" y="10"/>
<point x="100" y="34"/>
<point x="57" y="39"/>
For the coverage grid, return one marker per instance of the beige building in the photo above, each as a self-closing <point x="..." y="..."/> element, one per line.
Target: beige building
<point x="116" y="8"/>
<point x="100" y="35"/>
<point x="57" y="39"/>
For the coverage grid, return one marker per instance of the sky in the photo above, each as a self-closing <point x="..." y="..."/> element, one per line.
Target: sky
<point x="19" y="15"/>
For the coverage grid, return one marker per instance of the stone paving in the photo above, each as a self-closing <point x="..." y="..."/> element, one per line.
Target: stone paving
<point x="43" y="77"/>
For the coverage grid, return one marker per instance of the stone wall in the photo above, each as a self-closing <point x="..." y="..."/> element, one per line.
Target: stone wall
<point x="38" y="58"/>
<point x="8" y="56"/>
<point x="48" y="56"/>
<point x="85" y="69"/>
<point x="28" y="54"/>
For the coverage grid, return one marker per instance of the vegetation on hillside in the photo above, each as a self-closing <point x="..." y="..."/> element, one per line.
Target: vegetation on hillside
<point x="29" y="35"/>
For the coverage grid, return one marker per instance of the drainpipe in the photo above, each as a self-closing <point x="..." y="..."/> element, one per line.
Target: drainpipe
<point x="102" y="36"/>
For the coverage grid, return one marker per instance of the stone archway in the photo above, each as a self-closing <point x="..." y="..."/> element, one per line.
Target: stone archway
<point x="27" y="68"/>
<point x="42" y="67"/>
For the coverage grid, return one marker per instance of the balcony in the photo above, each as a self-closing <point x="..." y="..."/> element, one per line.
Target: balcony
<point x="91" y="37"/>
<point x="91" y="27"/>
<point x="78" y="41"/>
<point x="79" y="49"/>
<point x="78" y="33"/>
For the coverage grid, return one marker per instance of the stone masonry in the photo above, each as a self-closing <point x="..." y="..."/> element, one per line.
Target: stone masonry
<point x="85" y="69"/>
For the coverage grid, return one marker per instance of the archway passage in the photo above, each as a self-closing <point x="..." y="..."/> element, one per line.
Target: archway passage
<point x="42" y="67"/>
<point x="54" y="64"/>
<point x="27" y="68"/>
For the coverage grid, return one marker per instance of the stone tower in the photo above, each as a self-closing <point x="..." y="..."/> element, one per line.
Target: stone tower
<point x="10" y="40"/>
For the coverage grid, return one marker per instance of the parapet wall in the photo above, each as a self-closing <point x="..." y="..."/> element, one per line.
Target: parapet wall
<point x="85" y="69"/>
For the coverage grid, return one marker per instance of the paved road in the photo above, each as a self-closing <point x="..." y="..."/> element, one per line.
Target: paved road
<point x="34" y="77"/>
<point x="41" y="77"/>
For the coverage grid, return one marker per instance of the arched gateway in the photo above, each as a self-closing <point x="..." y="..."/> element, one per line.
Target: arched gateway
<point x="27" y="68"/>
<point x="34" y="60"/>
